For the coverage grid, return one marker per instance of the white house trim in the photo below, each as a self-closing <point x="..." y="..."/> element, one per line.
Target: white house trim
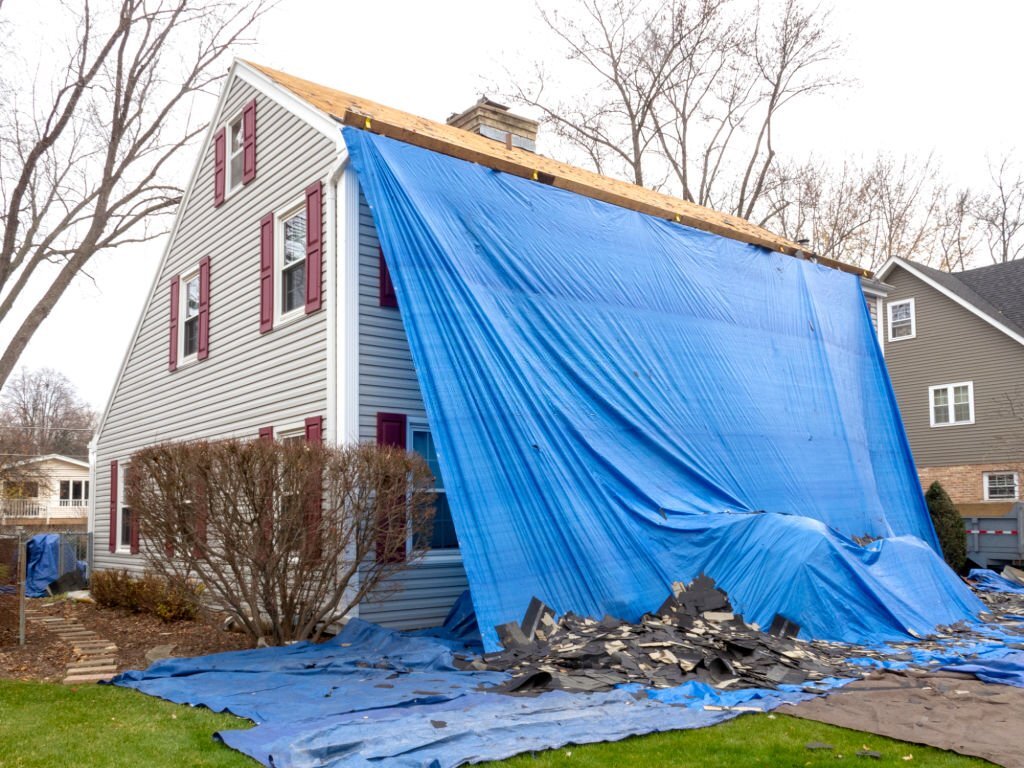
<point x="894" y="262"/>
<point x="347" y="289"/>
<point x="302" y="109"/>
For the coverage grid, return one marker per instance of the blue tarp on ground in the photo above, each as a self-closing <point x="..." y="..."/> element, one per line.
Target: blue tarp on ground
<point x="989" y="581"/>
<point x="620" y="402"/>
<point x="372" y="694"/>
<point x="1007" y="669"/>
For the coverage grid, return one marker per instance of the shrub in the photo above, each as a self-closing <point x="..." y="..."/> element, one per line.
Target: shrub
<point x="949" y="526"/>
<point x="286" y="536"/>
<point x="169" y="600"/>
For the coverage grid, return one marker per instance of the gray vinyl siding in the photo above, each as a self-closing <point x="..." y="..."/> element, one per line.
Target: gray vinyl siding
<point x="249" y="380"/>
<point x="953" y="345"/>
<point x="422" y="595"/>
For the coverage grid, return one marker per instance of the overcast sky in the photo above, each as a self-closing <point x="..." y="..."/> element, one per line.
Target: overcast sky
<point x="931" y="76"/>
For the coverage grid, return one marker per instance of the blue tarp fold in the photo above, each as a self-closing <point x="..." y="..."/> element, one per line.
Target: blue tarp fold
<point x="620" y="402"/>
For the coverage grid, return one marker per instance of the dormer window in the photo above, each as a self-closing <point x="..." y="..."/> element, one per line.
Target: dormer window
<point x="902" y="322"/>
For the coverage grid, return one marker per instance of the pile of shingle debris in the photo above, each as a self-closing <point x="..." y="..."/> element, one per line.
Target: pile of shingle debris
<point x="694" y="635"/>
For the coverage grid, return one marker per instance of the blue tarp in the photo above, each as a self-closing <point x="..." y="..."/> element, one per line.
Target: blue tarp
<point x="371" y="694"/>
<point x="620" y="402"/>
<point x="1007" y="669"/>
<point x="990" y="581"/>
<point x="44" y="560"/>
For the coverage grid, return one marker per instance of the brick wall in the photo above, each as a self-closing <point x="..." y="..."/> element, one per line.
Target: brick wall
<point x="965" y="483"/>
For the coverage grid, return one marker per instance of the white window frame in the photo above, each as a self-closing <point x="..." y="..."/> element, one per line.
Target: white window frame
<point x="1016" y="485"/>
<point x="122" y="503"/>
<point x="280" y="316"/>
<point x="432" y="555"/>
<point x="913" y="319"/>
<point x="950" y="388"/>
<point x="184" y="359"/>
<point x="229" y="188"/>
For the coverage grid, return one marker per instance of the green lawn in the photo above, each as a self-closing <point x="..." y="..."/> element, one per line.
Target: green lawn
<point x="51" y="726"/>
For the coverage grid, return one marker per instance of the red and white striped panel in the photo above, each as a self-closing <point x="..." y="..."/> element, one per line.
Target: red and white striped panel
<point x="998" y="533"/>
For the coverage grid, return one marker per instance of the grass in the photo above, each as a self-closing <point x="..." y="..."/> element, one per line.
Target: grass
<point x="42" y="724"/>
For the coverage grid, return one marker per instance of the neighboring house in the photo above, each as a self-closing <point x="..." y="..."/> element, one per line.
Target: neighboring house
<point x="272" y="313"/>
<point x="954" y="345"/>
<point x="48" y="490"/>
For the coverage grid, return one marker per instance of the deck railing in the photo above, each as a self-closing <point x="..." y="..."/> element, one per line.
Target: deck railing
<point x="44" y="508"/>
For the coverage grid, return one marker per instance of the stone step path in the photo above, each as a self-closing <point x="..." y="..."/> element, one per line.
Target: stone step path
<point x="95" y="657"/>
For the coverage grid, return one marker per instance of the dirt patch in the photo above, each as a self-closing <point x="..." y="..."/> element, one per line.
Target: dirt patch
<point x="45" y="656"/>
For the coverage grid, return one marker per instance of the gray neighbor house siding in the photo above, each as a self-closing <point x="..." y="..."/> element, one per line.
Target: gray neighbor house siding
<point x="954" y="345"/>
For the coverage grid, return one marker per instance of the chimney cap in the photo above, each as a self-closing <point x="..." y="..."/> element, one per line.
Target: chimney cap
<point x="483" y="101"/>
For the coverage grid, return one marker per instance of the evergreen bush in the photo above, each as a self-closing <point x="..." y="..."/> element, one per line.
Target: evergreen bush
<point x="949" y="526"/>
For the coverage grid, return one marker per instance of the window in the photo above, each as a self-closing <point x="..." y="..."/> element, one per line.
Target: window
<point x="124" y="513"/>
<point x="444" y="536"/>
<point x="292" y="263"/>
<point x="190" y="316"/>
<point x="952" y="404"/>
<point x="1001" y="486"/>
<point x="236" y="152"/>
<point x="74" y="493"/>
<point x="902" y="321"/>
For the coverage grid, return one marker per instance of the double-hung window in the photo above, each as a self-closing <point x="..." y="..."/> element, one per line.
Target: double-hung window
<point x="952" y="404"/>
<point x="1002" y="486"/>
<point x="292" y="262"/>
<point x="443" y="536"/>
<point x="902" y="320"/>
<point x="190" y="317"/>
<point x="124" y="513"/>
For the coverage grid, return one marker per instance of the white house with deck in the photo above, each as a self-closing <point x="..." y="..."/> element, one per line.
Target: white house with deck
<point x="48" y="490"/>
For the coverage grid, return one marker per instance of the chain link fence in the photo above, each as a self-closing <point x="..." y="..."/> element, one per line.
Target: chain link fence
<point x="39" y="564"/>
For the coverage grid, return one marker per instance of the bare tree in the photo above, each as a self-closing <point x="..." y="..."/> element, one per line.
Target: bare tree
<point x="42" y="413"/>
<point x="83" y="153"/>
<point x="1000" y="214"/>
<point x="684" y="94"/>
<point x="288" y="536"/>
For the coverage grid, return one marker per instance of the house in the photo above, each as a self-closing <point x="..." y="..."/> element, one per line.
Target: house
<point x="48" y="490"/>
<point x="954" y="346"/>
<point x="273" y="314"/>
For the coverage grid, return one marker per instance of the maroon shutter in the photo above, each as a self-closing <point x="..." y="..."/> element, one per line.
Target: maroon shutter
<point x="249" y="142"/>
<point x="204" y="308"/>
<point x="388" y="297"/>
<point x="391" y="429"/>
<point x="314" y="246"/>
<point x="315" y="499"/>
<point x="267" y="273"/>
<point x="172" y="350"/>
<point x="266" y="433"/>
<point x="314" y="429"/>
<point x="219" y="166"/>
<point x="113" y="506"/>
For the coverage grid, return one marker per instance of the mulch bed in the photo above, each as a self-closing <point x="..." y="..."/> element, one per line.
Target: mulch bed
<point x="45" y="656"/>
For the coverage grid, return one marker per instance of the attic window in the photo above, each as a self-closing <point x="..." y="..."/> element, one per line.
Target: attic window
<point x="236" y="150"/>
<point x="902" y="320"/>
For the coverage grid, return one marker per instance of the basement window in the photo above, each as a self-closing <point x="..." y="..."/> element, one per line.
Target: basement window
<point x="952" y="404"/>
<point x="1001" y="486"/>
<point x="902" y="320"/>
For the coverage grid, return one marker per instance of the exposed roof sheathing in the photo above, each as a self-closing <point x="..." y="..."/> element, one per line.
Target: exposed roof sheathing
<point x="448" y="140"/>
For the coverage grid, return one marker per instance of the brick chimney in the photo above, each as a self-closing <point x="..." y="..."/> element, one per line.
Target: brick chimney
<point x="493" y="120"/>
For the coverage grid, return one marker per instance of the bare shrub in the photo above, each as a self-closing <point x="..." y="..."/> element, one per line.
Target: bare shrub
<point x="287" y="536"/>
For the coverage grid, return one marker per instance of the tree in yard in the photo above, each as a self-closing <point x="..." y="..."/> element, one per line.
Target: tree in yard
<point x="87" y="139"/>
<point x="287" y="536"/>
<point x="1000" y="214"/>
<point x="684" y="95"/>
<point x="42" y="413"/>
<point x="949" y="526"/>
